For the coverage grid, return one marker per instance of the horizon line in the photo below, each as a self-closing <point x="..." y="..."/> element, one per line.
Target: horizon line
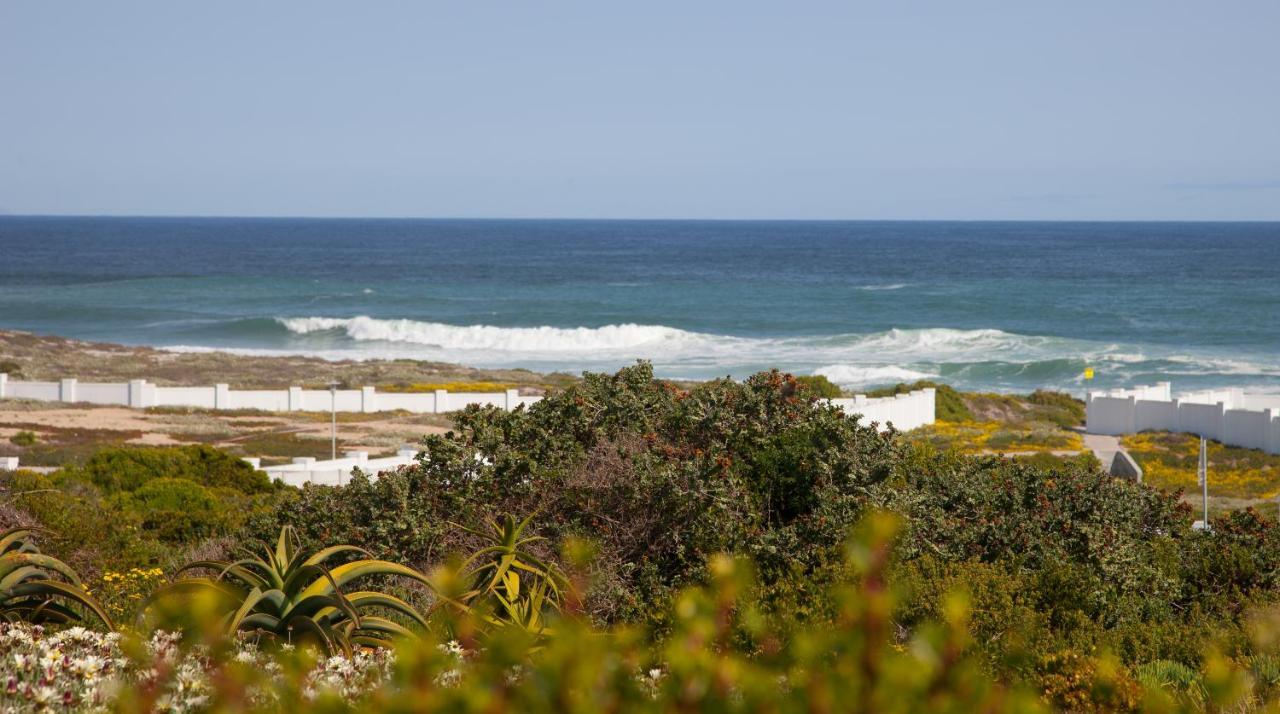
<point x="289" y="217"/>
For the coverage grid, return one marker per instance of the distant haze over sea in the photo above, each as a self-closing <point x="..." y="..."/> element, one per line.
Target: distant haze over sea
<point x="998" y="306"/>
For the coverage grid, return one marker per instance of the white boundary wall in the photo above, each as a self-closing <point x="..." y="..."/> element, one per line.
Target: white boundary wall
<point x="139" y="393"/>
<point x="1226" y="415"/>
<point x="905" y="411"/>
<point x="334" y="472"/>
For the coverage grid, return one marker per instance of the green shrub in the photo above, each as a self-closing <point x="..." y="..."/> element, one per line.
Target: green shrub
<point x="175" y="510"/>
<point x="11" y="368"/>
<point x="819" y="386"/>
<point x="1059" y="408"/>
<point x="129" y="468"/>
<point x="23" y="438"/>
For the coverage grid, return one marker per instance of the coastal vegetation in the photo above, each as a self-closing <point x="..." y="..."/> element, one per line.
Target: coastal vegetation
<point x="633" y="544"/>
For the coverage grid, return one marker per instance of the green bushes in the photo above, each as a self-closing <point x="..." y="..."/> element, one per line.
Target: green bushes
<point x="129" y="468"/>
<point x="1059" y="556"/>
<point x="176" y="510"/>
<point x="23" y="438"/>
<point x="819" y="386"/>
<point x="658" y="477"/>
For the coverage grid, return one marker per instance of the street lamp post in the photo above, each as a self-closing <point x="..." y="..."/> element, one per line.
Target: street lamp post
<point x="333" y="410"/>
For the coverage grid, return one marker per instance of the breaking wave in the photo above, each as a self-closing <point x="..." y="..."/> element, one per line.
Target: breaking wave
<point x="972" y="358"/>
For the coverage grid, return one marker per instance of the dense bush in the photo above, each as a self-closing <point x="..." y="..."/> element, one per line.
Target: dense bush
<point x="660" y="478"/>
<point x="23" y="438"/>
<point x="819" y="386"/>
<point x="1062" y="558"/>
<point x="129" y="468"/>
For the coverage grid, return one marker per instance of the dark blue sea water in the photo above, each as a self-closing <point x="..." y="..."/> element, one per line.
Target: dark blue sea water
<point x="1005" y="306"/>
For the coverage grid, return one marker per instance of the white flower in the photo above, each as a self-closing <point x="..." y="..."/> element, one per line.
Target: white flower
<point x="44" y="695"/>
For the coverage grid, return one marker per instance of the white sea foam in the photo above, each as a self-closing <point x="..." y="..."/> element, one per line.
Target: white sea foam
<point x="542" y="339"/>
<point x="847" y="375"/>
<point x="988" y="357"/>
<point x="890" y="286"/>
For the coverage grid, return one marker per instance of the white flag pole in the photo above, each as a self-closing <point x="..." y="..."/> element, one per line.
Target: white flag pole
<point x="1203" y="472"/>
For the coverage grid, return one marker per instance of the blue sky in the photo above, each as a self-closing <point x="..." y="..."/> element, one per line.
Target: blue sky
<point x="916" y="110"/>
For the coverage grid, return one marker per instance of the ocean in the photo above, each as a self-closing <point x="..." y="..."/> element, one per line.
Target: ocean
<point x="1002" y="306"/>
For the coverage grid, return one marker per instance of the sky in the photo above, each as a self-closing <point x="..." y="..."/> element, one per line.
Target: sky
<point x="1084" y="110"/>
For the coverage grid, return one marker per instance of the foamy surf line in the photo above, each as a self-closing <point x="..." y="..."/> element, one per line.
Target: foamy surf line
<point x="988" y="359"/>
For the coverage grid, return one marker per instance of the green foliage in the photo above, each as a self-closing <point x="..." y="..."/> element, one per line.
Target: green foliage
<point x="129" y="468"/>
<point x="508" y="584"/>
<point x="30" y="589"/>
<point x="819" y="386"/>
<point x="293" y="597"/>
<point x="11" y="368"/>
<point x="949" y="404"/>
<point x="176" y="510"/>
<point x="1058" y="407"/>
<point x="659" y="477"/>
<point x="23" y="438"/>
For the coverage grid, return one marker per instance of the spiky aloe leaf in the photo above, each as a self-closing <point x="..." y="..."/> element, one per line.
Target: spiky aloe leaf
<point x="347" y="572"/>
<point x="17" y="540"/>
<point x="11" y="561"/>
<point x="373" y="623"/>
<point x="237" y="569"/>
<point x="66" y="591"/>
<point x="321" y="556"/>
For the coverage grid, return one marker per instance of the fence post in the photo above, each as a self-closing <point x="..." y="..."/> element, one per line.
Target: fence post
<point x="1222" y="422"/>
<point x="513" y="398"/>
<point x="4" y="380"/>
<point x="368" y="399"/>
<point x="442" y="397"/>
<point x="295" y="398"/>
<point x="135" y="393"/>
<point x="221" y="396"/>
<point x="67" y="390"/>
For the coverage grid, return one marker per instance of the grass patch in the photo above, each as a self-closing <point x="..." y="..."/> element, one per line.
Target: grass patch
<point x="58" y="446"/>
<point x="1046" y="460"/>
<point x="23" y="438"/>
<point x="1168" y="461"/>
<point x="284" y="445"/>
<point x="975" y="437"/>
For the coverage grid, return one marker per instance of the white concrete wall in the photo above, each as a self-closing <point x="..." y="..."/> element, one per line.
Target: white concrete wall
<point x="140" y="393"/>
<point x="1110" y="415"/>
<point x="904" y="411"/>
<point x="1152" y="415"/>
<point x="41" y="391"/>
<point x="103" y="393"/>
<point x="336" y="472"/>
<point x="202" y="397"/>
<point x="1226" y="415"/>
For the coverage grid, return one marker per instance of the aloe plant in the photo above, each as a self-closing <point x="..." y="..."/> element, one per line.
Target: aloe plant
<point x="513" y="584"/>
<point x="30" y="590"/>
<point x="296" y="597"/>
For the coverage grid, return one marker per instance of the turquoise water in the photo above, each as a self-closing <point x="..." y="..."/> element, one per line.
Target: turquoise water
<point x="1003" y="306"/>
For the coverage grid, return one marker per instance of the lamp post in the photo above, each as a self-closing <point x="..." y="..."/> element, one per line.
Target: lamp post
<point x="333" y="410"/>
